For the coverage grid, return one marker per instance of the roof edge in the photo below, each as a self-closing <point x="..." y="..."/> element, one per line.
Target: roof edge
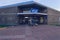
<point x="16" y="4"/>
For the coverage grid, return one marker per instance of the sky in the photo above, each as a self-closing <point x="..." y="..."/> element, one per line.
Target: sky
<point x="55" y="4"/>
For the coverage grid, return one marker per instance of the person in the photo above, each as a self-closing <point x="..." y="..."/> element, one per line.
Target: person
<point x="31" y="21"/>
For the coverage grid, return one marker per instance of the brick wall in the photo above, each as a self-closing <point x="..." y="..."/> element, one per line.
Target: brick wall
<point x="8" y="20"/>
<point x="53" y="16"/>
<point x="8" y="16"/>
<point x="9" y="10"/>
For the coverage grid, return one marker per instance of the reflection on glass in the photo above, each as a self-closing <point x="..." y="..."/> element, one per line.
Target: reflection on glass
<point x="41" y="19"/>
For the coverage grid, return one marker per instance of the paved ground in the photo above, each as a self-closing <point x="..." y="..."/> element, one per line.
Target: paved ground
<point x="42" y="32"/>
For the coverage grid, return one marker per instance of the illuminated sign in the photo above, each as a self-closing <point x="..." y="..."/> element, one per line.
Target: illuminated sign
<point x="34" y="10"/>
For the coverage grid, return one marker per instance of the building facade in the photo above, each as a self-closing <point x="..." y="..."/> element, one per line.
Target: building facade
<point x="28" y="13"/>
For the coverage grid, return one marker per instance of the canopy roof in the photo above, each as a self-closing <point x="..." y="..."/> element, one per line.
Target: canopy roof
<point x="25" y="3"/>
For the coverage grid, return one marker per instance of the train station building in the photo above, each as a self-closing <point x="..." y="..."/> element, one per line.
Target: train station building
<point x="28" y="13"/>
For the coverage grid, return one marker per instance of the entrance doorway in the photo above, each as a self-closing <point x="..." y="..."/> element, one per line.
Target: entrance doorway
<point x="32" y="19"/>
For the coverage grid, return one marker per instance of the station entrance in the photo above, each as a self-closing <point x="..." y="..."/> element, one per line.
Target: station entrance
<point x="32" y="19"/>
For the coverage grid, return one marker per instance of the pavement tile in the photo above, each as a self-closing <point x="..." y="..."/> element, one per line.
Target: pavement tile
<point x="41" y="32"/>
